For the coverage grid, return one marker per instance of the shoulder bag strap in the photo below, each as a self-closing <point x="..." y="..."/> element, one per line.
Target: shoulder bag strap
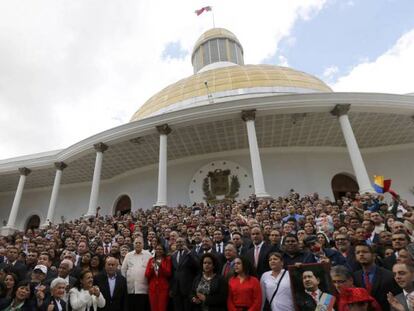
<point x="277" y="287"/>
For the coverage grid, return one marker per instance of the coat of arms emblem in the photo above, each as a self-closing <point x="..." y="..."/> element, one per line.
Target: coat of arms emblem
<point x="220" y="185"/>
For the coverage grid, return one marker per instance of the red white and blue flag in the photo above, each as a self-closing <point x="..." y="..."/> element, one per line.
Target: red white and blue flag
<point x="202" y="10"/>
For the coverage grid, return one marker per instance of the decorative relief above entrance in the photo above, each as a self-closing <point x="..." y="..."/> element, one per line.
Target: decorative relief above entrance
<point x="220" y="181"/>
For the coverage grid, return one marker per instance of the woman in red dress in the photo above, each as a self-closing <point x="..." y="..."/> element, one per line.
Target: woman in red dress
<point x="158" y="273"/>
<point x="245" y="293"/>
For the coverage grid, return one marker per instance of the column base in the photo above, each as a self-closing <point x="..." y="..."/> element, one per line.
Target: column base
<point x="160" y="204"/>
<point x="5" y="231"/>
<point x="263" y="195"/>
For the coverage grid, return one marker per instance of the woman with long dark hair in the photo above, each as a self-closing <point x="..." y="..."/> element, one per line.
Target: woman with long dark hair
<point x="20" y="300"/>
<point x="96" y="264"/>
<point x="245" y="293"/>
<point x="209" y="287"/>
<point x="11" y="282"/>
<point x="158" y="273"/>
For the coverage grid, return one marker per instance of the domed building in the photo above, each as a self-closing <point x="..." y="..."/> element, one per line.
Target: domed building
<point x="228" y="131"/>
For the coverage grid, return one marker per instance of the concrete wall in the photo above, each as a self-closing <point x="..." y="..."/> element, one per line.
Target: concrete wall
<point x="305" y="171"/>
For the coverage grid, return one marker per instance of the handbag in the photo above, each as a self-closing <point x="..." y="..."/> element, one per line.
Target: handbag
<point x="268" y="305"/>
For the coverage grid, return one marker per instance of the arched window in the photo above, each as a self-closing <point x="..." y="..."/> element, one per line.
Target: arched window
<point x="122" y="205"/>
<point x="343" y="183"/>
<point x="33" y="222"/>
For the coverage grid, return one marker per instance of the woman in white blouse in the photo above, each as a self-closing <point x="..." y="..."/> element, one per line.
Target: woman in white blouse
<point x="85" y="296"/>
<point x="277" y="278"/>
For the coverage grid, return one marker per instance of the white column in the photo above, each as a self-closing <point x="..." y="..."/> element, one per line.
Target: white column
<point x="60" y="166"/>
<point x="341" y="111"/>
<point x="248" y="117"/>
<point x="93" y="201"/>
<point x="10" y="228"/>
<point x="163" y="130"/>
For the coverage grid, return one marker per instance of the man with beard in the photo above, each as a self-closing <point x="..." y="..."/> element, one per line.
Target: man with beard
<point x="376" y="280"/>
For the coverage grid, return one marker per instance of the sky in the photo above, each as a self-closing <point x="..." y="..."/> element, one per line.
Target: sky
<point x="71" y="69"/>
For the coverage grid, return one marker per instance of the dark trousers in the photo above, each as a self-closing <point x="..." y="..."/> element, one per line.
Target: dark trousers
<point x="138" y="302"/>
<point x="181" y="302"/>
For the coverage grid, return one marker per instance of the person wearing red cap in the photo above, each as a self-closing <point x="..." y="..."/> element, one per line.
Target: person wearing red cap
<point x="357" y="299"/>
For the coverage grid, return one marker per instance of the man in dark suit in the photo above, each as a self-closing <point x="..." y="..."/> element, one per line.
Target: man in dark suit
<point x="399" y="240"/>
<point x="258" y="254"/>
<point x="185" y="268"/>
<point x="373" y="237"/>
<point x="113" y="286"/>
<point x="64" y="269"/>
<point x="197" y="250"/>
<point x="230" y="254"/>
<point x="219" y="242"/>
<point x="404" y="276"/>
<point x="238" y="243"/>
<point x="310" y="297"/>
<point x="15" y="266"/>
<point x="376" y="280"/>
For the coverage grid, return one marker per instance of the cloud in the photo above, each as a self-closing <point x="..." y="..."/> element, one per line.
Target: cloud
<point x="70" y="69"/>
<point x="174" y="50"/>
<point x="389" y="73"/>
<point x="283" y="61"/>
<point x="330" y="72"/>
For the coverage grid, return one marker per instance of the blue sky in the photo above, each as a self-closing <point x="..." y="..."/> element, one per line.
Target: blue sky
<point x="345" y="33"/>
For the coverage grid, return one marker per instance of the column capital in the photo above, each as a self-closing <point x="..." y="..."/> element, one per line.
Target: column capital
<point x="340" y="110"/>
<point x="60" y="166"/>
<point x="248" y="115"/>
<point x="100" y="147"/>
<point x="164" y="129"/>
<point x="24" y="171"/>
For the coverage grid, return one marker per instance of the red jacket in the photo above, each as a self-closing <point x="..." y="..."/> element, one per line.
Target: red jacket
<point x="160" y="281"/>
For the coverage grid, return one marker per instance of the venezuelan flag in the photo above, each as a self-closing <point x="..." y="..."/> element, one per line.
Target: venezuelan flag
<point x="381" y="185"/>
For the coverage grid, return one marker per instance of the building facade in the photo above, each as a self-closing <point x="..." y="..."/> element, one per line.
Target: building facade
<point x="225" y="132"/>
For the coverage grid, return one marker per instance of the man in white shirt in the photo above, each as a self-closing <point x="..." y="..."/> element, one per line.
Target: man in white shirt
<point x="133" y="269"/>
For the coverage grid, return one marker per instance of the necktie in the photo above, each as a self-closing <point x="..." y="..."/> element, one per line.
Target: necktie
<point x="368" y="284"/>
<point x="179" y="257"/>
<point x="315" y="297"/>
<point x="227" y="268"/>
<point x="197" y="249"/>
<point x="256" y="255"/>
<point x="408" y="302"/>
<point x="106" y="249"/>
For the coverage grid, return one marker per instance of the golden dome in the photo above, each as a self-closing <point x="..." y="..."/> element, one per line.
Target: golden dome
<point x="275" y="79"/>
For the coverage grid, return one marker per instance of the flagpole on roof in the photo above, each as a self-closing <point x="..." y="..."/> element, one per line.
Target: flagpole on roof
<point x="212" y="14"/>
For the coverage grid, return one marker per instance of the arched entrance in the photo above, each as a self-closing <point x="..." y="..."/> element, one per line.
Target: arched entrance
<point x="123" y="205"/>
<point x="343" y="183"/>
<point x="33" y="222"/>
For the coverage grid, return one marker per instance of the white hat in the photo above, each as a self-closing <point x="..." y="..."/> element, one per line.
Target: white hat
<point x="42" y="268"/>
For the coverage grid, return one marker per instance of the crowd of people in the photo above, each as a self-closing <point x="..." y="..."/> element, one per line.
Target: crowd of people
<point x="235" y="256"/>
